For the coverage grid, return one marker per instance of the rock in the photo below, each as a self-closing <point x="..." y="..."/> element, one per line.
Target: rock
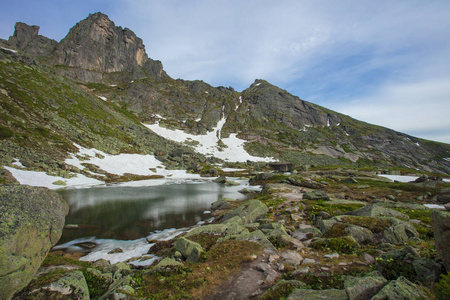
<point x="360" y="234"/>
<point x="316" y="195"/>
<point x="70" y="286"/>
<point x="447" y="206"/>
<point x="120" y="49"/>
<point x="292" y="257"/>
<point x="400" y="289"/>
<point x="374" y="210"/>
<point x="324" y="215"/>
<point x="245" y="191"/>
<point x="368" y="258"/>
<point x="102" y="264"/>
<point x="399" y="232"/>
<point x="441" y="227"/>
<point x="116" y="250"/>
<point x="31" y="222"/>
<point x="427" y="270"/>
<point x="119" y="269"/>
<point x="222" y="204"/>
<point x="285" y="240"/>
<point x="220" y="179"/>
<point x="27" y="39"/>
<point x="302" y="236"/>
<point x="308" y="261"/>
<point x="301" y="271"/>
<point x="361" y="288"/>
<point x="249" y="211"/>
<point x="350" y="180"/>
<point x="444" y="198"/>
<point x="309" y="230"/>
<point x="232" y="183"/>
<point x="331" y="256"/>
<point x="190" y="250"/>
<point x="167" y="264"/>
<point x="304" y="294"/>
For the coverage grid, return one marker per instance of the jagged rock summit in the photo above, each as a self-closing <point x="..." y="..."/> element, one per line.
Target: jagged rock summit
<point x="97" y="44"/>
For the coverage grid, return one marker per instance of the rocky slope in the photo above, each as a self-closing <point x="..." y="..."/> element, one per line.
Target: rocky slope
<point x="99" y="59"/>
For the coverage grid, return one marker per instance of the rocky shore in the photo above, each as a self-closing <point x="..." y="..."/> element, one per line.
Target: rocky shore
<point x="313" y="235"/>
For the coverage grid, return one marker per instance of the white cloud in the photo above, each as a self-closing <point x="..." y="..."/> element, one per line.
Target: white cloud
<point x="420" y="108"/>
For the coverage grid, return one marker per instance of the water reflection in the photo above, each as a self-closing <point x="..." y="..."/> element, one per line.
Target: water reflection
<point x="127" y="213"/>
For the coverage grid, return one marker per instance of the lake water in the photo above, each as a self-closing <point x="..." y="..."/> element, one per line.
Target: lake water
<point x="118" y="216"/>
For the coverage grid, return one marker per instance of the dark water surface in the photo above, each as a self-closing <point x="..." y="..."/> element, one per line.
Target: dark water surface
<point x="127" y="213"/>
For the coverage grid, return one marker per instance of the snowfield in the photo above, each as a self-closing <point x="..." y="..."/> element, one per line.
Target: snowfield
<point x="208" y="144"/>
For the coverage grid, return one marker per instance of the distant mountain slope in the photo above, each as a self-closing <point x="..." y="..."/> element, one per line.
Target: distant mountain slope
<point x="50" y="99"/>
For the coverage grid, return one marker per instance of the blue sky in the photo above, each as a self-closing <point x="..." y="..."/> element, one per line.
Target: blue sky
<point x="384" y="62"/>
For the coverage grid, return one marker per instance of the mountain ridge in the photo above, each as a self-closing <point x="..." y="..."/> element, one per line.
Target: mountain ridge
<point x="111" y="62"/>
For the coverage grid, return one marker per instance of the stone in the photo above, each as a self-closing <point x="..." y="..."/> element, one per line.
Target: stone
<point x="308" y="261"/>
<point x="306" y="294"/>
<point x="369" y="259"/>
<point x="292" y="257"/>
<point x="447" y="206"/>
<point x="374" y="210"/>
<point x="220" y="179"/>
<point x="399" y="232"/>
<point x="167" y="263"/>
<point x="427" y="270"/>
<point x="360" y="234"/>
<point x="31" y="222"/>
<point x="71" y="286"/>
<point x="400" y="289"/>
<point x="308" y="229"/>
<point x="316" y="195"/>
<point x="192" y="251"/>
<point x="222" y="204"/>
<point x="331" y="256"/>
<point x="441" y="228"/>
<point x="302" y="236"/>
<point x="361" y="288"/>
<point x="301" y="271"/>
<point x="119" y="269"/>
<point x="285" y="240"/>
<point x="249" y="211"/>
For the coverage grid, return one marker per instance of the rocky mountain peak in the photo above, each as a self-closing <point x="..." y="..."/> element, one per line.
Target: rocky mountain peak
<point x="26" y="38"/>
<point x="97" y="44"/>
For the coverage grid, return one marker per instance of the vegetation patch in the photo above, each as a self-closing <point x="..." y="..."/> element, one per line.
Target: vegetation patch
<point x="376" y="225"/>
<point x="197" y="280"/>
<point x="313" y="208"/>
<point x="345" y="244"/>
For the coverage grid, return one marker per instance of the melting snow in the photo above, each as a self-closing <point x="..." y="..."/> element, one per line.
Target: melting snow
<point x="400" y="178"/>
<point x="208" y="143"/>
<point x="35" y="178"/>
<point x="103" y="98"/>
<point x="417" y="144"/>
<point x="10" y="50"/>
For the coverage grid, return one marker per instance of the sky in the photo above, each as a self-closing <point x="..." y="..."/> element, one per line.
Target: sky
<point x="383" y="62"/>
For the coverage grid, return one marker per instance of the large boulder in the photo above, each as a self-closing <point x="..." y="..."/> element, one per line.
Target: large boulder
<point x="192" y="251"/>
<point x="374" y="210"/>
<point x="249" y="211"/>
<point x="361" y="288"/>
<point x="400" y="289"/>
<point x="31" y="222"/>
<point x="441" y="227"/>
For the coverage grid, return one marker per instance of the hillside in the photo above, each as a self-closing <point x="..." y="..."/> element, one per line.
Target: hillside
<point x="97" y="87"/>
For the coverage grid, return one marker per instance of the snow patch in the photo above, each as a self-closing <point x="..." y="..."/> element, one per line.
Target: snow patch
<point x="10" y="50"/>
<point x="18" y="163"/>
<point x="435" y="206"/>
<point x="35" y="178"/>
<point x="399" y="178"/>
<point x="417" y="144"/>
<point x="103" y="98"/>
<point x="208" y="144"/>
<point x="328" y="122"/>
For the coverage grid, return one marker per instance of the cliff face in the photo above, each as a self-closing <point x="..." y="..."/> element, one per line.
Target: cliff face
<point x="26" y="38"/>
<point x="97" y="44"/>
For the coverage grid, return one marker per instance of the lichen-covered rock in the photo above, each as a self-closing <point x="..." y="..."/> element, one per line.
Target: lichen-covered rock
<point x="399" y="232"/>
<point x="304" y="294"/>
<point x="167" y="263"/>
<point x="316" y="195"/>
<point x="221" y="204"/>
<point x="441" y="227"/>
<point x="374" y="210"/>
<point x="190" y="250"/>
<point x="400" y="289"/>
<point x="249" y="211"/>
<point x="31" y="222"/>
<point x="71" y="286"/>
<point x="361" y="288"/>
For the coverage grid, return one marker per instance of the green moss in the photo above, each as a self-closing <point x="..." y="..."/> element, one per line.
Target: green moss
<point x="376" y="225"/>
<point x="442" y="288"/>
<point x="5" y="132"/>
<point x="343" y="244"/>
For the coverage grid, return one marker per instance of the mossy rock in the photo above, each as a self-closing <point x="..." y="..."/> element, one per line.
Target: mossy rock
<point x="249" y="211"/>
<point x="31" y="222"/>
<point x="400" y="289"/>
